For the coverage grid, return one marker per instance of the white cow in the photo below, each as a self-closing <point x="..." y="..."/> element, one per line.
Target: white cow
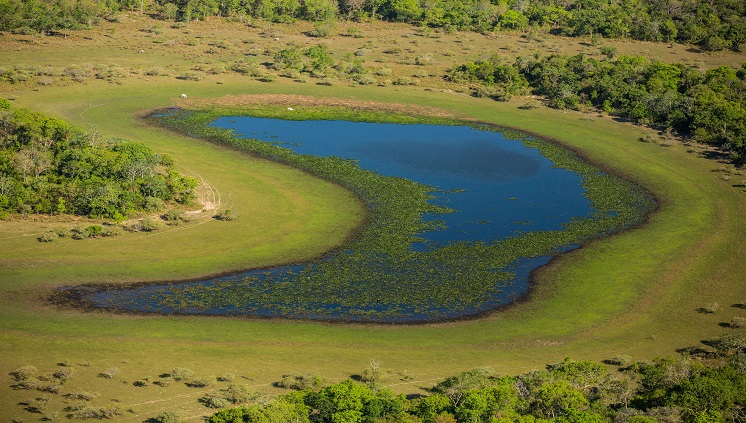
<point x="183" y="96"/>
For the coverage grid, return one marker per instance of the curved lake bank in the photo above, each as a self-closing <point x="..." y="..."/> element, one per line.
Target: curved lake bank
<point x="485" y="211"/>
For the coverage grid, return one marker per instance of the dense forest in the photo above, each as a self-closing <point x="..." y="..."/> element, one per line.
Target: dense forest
<point x="710" y="106"/>
<point x="669" y="390"/>
<point x="712" y="25"/>
<point x="48" y="167"/>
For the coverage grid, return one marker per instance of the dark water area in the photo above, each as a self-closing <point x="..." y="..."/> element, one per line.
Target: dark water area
<point x="497" y="188"/>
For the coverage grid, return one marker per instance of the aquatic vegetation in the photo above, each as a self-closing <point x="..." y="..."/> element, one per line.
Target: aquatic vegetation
<point x="378" y="276"/>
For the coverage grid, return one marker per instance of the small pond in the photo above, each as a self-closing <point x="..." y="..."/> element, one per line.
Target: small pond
<point x="491" y="210"/>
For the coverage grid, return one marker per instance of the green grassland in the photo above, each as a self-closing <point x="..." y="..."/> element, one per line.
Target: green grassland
<point x="635" y="293"/>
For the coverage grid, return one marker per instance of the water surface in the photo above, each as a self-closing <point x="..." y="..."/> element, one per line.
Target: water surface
<point x="498" y="189"/>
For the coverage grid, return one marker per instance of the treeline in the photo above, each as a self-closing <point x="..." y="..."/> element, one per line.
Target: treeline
<point x="710" y="106"/>
<point x="669" y="390"/>
<point x="713" y="25"/>
<point x="48" y="167"/>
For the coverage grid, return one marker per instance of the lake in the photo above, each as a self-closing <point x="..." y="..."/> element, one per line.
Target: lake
<point x="509" y="209"/>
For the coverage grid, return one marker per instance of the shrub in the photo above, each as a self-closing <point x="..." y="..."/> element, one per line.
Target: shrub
<point x="234" y="394"/>
<point x="383" y="71"/>
<point x="52" y="388"/>
<point x="47" y="237"/>
<point x="166" y="417"/>
<point x="354" y="32"/>
<point x="300" y="382"/>
<point x="156" y="71"/>
<point x="94" y="231"/>
<point x="423" y="60"/>
<point x="105" y="412"/>
<point x="225" y="215"/>
<point x="620" y="360"/>
<point x="26" y="384"/>
<point x="710" y="308"/>
<point x="738" y="322"/>
<point x="322" y="29"/>
<point x="173" y="215"/>
<point x="189" y="76"/>
<point x="180" y="373"/>
<point x="82" y="395"/>
<point x="201" y="382"/>
<point x="148" y="225"/>
<point x="111" y="231"/>
<point x="214" y="402"/>
<point x="366" y="80"/>
<point x="226" y="377"/>
<point x="267" y="77"/>
<point x="64" y="374"/>
<point x="23" y="373"/>
<point x="404" y="80"/>
<point x="109" y="373"/>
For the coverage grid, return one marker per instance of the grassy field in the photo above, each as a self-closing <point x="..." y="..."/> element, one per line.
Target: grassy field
<point x="635" y="293"/>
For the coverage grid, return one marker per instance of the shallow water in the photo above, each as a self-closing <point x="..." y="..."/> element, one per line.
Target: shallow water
<point x="497" y="187"/>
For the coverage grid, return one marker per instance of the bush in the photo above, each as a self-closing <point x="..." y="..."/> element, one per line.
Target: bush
<point x="226" y="377"/>
<point x="156" y="71"/>
<point x="366" y="80"/>
<point x="148" y="225"/>
<point x="738" y="322"/>
<point x="710" y="308"/>
<point x="94" y="231"/>
<point x="47" y="237"/>
<point x="52" y="388"/>
<point x="153" y="204"/>
<point x="322" y="29"/>
<point x="201" y="382"/>
<point x="189" y="76"/>
<point x="173" y="215"/>
<point x="23" y="373"/>
<point x="105" y="412"/>
<point x="180" y="373"/>
<point x="64" y="374"/>
<point x="225" y="215"/>
<point x="214" y="402"/>
<point x="354" y="32"/>
<point x="166" y="417"/>
<point x="82" y="395"/>
<point x="620" y="360"/>
<point x="109" y="373"/>
<point x="404" y="80"/>
<point x="383" y="71"/>
<point x="234" y="394"/>
<point x="300" y="382"/>
<point x="111" y="231"/>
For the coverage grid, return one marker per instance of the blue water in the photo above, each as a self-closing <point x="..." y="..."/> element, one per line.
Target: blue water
<point x="497" y="188"/>
<point x="507" y="187"/>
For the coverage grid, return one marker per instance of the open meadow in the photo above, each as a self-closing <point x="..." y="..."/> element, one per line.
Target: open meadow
<point x="636" y="293"/>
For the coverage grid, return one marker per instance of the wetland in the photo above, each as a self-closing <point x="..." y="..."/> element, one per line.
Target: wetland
<point x="460" y="215"/>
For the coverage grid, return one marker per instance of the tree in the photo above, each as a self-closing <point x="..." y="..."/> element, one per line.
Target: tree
<point x="513" y="19"/>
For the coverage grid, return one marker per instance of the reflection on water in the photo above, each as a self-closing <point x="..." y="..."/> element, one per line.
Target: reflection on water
<point x="496" y="185"/>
